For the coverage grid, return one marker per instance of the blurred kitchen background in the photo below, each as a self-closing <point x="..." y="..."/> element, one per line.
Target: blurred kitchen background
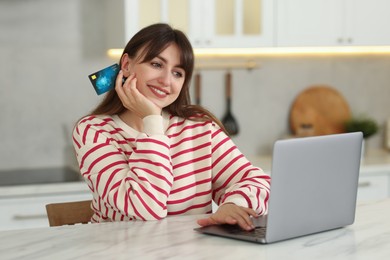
<point x="49" y="47"/>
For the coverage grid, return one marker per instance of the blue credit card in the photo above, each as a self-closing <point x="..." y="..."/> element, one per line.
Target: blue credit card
<point x="104" y="80"/>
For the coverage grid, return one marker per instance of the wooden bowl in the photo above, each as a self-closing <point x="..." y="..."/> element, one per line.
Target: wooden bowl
<point x="319" y="110"/>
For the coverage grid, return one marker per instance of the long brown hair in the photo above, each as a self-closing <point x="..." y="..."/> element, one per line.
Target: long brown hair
<point x="151" y="41"/>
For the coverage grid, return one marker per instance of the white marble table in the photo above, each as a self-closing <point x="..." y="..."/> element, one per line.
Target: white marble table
<point x="174" y="238"/>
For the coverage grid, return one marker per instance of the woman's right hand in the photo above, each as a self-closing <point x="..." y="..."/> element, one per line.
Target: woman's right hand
<point x="132" y="99"/>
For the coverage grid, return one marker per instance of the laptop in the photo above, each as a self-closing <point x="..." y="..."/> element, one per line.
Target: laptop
<point x="314" y="183"/>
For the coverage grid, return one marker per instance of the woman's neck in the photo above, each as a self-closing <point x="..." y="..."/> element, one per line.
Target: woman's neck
<point x="132" y="120"/>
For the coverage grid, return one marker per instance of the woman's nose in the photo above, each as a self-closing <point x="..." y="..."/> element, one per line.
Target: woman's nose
<point x="165" y="78"/>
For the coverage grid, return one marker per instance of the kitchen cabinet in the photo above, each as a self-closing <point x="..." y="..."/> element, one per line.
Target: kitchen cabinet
<point x="208" y="23"/>
<point x="232" y="23"/>
<point x="20" y="211"/>
<point x="332" y="22"/>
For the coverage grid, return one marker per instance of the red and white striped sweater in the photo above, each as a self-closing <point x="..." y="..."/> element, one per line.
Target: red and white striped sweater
<point x="176" y="166"/>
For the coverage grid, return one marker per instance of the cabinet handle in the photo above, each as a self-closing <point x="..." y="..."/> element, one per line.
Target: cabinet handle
<point x="364" y="184"/>
<point x="28" y="217"/>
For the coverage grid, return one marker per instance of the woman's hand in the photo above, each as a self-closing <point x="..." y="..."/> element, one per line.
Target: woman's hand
<point x="232" y="214"/>
<point x="132" y="99"/>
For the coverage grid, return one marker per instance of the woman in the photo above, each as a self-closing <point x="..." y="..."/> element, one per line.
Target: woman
<point x="146" y="152"/>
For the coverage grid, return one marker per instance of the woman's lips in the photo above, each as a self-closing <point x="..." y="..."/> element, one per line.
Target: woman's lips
<point x="158" y="92"/>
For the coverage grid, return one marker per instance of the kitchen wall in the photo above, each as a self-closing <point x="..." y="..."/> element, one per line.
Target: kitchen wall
<point x="48" y="47"/>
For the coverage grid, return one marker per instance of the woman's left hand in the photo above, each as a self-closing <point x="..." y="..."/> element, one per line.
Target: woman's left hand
<point x="232" y="214"/>
<point x="132" y="99"/>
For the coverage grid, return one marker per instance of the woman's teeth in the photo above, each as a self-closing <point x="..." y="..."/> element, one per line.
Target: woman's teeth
<point x="158" y="91"/>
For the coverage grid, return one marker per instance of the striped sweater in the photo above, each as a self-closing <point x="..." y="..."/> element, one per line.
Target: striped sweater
<point x="175" y="166"/>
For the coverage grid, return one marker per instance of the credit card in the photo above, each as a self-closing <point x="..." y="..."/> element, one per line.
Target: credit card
<point x="104" y="80"/>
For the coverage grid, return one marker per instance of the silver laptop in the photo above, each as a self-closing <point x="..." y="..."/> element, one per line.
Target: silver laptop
<point x="314" y="184"/>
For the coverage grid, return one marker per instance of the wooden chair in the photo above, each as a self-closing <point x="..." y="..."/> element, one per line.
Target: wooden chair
<point x="69" y="213"/>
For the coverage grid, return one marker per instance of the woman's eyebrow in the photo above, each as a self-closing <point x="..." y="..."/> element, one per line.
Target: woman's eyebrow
<point x="165" y="61"/>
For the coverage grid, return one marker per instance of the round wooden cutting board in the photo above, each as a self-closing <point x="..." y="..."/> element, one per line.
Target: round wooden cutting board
<point x="319" y="110"/>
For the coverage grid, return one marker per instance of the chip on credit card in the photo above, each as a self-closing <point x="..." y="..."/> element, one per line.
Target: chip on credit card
<point x="104" y="80"/>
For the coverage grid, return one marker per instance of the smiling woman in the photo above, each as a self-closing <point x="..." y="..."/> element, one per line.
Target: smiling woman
<point x="146" y="152"/>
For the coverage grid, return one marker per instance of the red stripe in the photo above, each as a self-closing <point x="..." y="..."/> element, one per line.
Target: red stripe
<point x="112" y="175"/>
<point x="151" y="212"/>
<point x="87" y="127"/>
<point x="226" y="166"/>
<point x="258" y="197"/>
<point x="194" y="137"/>
<point x="216" y="133"/>
<point x="189" y="127"/>
<point x="231" y="176"/>
<point x="126" y="203"/>
<point x="90" y="118"/>
<point x="75" y="141"/>
<point x="196" y="206"/>
<point x="207" y="156"/>
<point x="152" y="163"/>
<point x="77" y="130"/>
<point x="176" y="124"/>
<point x="157" y="175"/>
<point x="191" y="149"/>
<point x="191" y="173"/>
<point x="147" y="140"/>
<point x="153" y="152"/>
<point x="85" y="134"/>
<point x="222" y="142"/>
<point x="92" y="150"/>
<point x="186" y="187"/>
<point x="134" y="209"/>
<point x="104" y="156"/>
<point x="179" y="201"/>
<point x="153" y="185"/>
<point x="254" y="180"/>
<point x="116" y="185"/>
<point x="239" y="193"/>
<point x="151" y="195"/>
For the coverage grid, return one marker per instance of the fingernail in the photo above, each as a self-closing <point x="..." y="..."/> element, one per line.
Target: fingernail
<point x="120" y="72"/>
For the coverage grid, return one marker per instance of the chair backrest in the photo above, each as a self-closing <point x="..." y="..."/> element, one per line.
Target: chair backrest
<point x="69" y="213"/>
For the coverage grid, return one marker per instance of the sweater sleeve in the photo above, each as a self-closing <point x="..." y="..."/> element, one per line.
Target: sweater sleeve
<point x="235" y="179"/>
<point x="133" y="182"/>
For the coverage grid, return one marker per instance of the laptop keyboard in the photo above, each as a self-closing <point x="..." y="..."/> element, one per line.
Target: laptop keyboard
<point x="257" y="232"/>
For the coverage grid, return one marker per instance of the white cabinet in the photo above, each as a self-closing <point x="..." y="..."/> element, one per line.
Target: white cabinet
<point x="368" y="22"/>
<point x="332" y="22"/>
<point x="141" y="13"/>
<point x="28" y="211"/>
<point x="208" y="23"/>
<point x="232" y="23"/>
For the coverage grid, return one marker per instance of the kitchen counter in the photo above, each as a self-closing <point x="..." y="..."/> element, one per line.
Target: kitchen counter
<point x="174" y="238"/>
<point x="373" y="161"/>
<point x="42" y="189"/>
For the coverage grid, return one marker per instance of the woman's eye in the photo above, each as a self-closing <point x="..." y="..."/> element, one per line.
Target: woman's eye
<point x="156" y="65"/>
<point x="177" y="74"/>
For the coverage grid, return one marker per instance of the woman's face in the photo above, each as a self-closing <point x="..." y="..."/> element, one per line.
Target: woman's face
<point x="162" y="78"/>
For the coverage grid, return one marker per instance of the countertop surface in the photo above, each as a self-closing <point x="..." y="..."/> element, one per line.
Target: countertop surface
<point x="373" y="161"/>
<point x="174" y="238"/>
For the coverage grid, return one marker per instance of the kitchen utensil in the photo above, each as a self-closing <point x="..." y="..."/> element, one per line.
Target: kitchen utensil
<point x="198" y="82"/>
<point x="322" y="108"/>
<point x="388" y="134"/>
<point x="228" y="119"/>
